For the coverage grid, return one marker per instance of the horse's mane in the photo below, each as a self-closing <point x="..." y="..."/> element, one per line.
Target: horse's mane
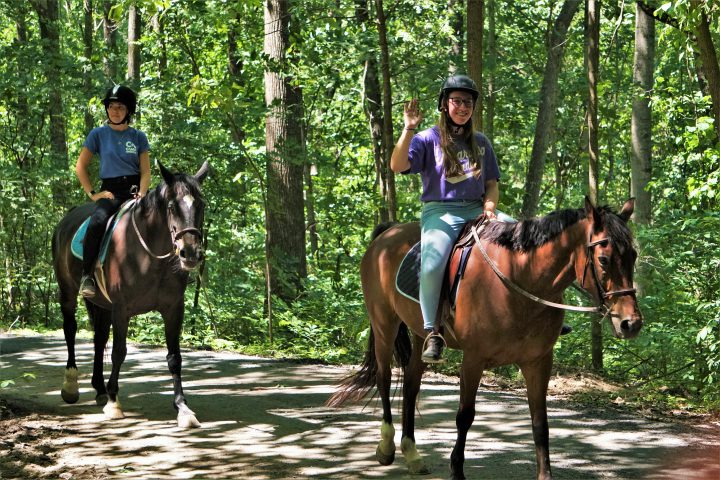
<point x="158" y="197"/>
<point x="535" y="232"/>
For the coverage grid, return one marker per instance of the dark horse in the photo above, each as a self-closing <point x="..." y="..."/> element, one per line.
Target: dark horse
<point x="154" y="247"/>
<point x="493" y="324"/>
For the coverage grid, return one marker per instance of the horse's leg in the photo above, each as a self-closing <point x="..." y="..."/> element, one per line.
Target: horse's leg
<point x="411" y="388"/>
<point x="470" y="375"/>
<point x="173" y="326"/>
<point x="384" y="344"/>
<point x="537" y="376"/>
<point x="120" y="321"/>
<point x="100" y="319"/>
<point x="70" y="391"/>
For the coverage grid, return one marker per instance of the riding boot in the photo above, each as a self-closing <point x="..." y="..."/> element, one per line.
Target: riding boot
<point x="565" y="329"/>
<point x="434" y="343"/>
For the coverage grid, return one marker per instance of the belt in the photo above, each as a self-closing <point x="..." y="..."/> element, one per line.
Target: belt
<point x="126" y="179"/>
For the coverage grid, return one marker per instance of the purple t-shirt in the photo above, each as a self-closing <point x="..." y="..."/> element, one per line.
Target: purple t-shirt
<point x="425" y="157"/>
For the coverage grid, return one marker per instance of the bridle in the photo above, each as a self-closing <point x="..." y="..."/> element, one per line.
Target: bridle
<point x="603" y="308"/>
<point x="175" y="235"/>
<point x="590" y="261"/>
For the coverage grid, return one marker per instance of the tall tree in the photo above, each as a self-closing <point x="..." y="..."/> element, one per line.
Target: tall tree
<point x="545" y="122"/>
<point x="489" y="129"/>
<point x="285" y="217"/>
<point x="641" y="123"/>
<point x="88" y="87"/>
<point x="708" y="58"/>
<point x="372" y="105"/>
<point x="47" y="11"/>
<point x="387" y="174"/>
<point x="475" y="54"/>
<point x="133" y="41"/>
<point x="592" y="58"/>
<point x="110" y="37"/>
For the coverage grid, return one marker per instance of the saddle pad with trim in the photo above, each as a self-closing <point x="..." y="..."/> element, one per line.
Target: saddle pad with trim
<point x="407" y="279"/>
<point x="76" y="246"/>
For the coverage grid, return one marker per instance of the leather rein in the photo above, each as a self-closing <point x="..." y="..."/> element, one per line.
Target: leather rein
<point x="174" y="237"/>
<point x="603" y="308"/>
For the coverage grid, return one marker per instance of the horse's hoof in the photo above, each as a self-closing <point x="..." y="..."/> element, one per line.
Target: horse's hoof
<point x="101" y="400"/>
<point x="384" y="458"/>
<point x="188" y="421"/>
<point x="70" y="391"/>
<point x="113" y="411"/>
<point x="69" y="397"/>
<point x="418" y="467"/>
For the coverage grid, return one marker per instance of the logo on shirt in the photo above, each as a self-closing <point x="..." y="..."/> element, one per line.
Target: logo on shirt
<point x="130" y="147"/>
<point x="469" y="170"/>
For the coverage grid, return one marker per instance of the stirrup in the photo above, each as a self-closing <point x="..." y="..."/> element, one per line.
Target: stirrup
<point x="440" y="359"/>
<point x="88" y="289"/>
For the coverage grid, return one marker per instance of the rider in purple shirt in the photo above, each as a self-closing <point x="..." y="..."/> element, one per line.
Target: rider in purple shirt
<point x="460" y="181"/>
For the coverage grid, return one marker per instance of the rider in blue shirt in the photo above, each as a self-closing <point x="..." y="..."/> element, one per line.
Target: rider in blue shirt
<point x="124" y="154"/>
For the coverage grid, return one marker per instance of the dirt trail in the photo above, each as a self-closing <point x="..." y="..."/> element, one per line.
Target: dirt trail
<point x="264" y="419"/>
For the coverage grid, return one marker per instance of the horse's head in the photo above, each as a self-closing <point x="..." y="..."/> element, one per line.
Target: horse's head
<point x="185" y="214"/>
<point x="607" y="271"/>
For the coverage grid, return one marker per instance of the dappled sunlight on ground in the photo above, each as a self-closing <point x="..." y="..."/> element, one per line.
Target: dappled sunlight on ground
<point x="265" y="419"/>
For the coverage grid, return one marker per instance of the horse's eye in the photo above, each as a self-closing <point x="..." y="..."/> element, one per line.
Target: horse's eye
<point x="171" y="207"/>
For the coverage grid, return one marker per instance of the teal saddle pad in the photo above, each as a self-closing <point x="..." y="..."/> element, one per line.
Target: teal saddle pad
<point x="76" y="246"/>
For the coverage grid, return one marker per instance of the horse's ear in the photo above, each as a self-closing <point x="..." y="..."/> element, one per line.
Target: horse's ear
<point x="166" y="174"/>
<point x="627" y="210"/>
<point x="592" y="214"/>
<point x="203" y="172"/>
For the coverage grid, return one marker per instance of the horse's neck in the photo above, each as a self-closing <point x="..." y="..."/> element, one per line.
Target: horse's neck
<point x="154" y="230"/>
<point x="554" y="263"/>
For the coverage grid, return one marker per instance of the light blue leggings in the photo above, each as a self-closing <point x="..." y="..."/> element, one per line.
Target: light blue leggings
<point x="440" y="223"/>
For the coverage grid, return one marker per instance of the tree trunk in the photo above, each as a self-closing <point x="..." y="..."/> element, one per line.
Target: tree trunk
<point x="545" y="122"/>
<point x="592" y="48"/>
<point x="49" y="32"/>
<point x="475" y="54"/>
<point x="285" y="218"/>
<point x="372" y="105"/>
<point x="491" y="66"/>
<point x="88" y="88"/>
<point x="133" y="54"/>
<point x="641" y="124"/>
<point x="709" y="60"/>
<point x="390" y="198"/>
<point x="110" y="36"/>
<point x="457" y="23"/>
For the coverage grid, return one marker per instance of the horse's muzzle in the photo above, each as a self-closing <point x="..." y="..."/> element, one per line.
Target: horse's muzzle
<point x="628" y="328"/>
<point x="191" y="257"/>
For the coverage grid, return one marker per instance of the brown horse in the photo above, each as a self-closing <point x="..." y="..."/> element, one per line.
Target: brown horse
<point x="492" y="324"/>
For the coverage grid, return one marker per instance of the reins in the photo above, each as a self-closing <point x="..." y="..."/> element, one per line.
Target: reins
<point x="600" y="309"/>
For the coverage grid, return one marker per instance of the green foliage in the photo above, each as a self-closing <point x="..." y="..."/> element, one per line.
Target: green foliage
<point x="194" y="107"/>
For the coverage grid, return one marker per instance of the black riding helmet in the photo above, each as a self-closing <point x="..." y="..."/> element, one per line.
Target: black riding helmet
<point x="457" y="82"/>
<point x="124" y="95"/>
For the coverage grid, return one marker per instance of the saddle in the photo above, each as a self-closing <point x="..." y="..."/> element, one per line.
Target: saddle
<point x="76" y="246"/>
<point x="407" y="279"/>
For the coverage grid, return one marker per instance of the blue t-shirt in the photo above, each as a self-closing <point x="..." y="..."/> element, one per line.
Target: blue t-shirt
<point x="119" y="151"/>
<point x="425" y="156"/>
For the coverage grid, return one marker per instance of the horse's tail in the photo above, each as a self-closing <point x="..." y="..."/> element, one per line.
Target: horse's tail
<point x="380" y="229"/>
<point x="356" y="386"/>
